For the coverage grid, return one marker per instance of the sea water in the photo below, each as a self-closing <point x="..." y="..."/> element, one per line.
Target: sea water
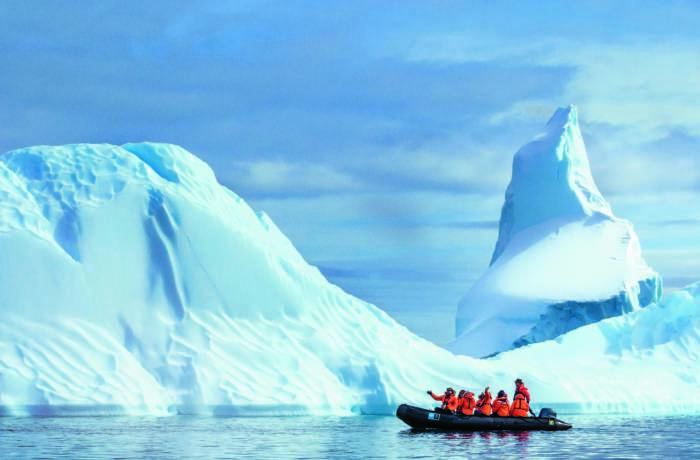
<point x="196" y="437"/>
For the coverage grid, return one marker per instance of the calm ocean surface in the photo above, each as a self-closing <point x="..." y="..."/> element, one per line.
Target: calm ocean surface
<point x="336" y="437"/>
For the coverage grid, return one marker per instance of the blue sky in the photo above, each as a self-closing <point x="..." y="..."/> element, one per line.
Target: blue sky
<point x="378" y="135"/>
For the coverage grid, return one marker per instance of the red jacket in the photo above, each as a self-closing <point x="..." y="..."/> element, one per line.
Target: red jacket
<point x="522" y="389"/>
<point x="484" y="404"/>
<point x="520" y="407"/>
<point x="466" y="404"/>
<point x="501" y="406"/>
<point x="449" y="404"/>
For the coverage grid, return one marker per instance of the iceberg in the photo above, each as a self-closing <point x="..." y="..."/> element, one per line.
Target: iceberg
<point x="644" y="361"/>
<point x="133" y="283"/>
<point x="562" y="259"/>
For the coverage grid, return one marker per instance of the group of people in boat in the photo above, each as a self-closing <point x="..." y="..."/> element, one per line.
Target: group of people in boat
<point x="464" y="403"/>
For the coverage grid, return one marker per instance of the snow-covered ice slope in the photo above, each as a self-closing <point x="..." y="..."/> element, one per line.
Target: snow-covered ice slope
<point x="646" y="360"/>
<point x="562" y="259"/>
<point x="132" y="282"/>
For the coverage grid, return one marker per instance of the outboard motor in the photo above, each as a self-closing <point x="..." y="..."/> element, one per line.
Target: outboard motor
<point x="546" y="412"/>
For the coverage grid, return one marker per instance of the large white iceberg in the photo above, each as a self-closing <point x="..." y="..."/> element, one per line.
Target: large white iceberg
<point x="132" y="282"/>
<point x="562" y="259"/>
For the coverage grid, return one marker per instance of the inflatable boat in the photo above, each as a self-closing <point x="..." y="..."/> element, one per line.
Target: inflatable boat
<point x="424" y="419"/>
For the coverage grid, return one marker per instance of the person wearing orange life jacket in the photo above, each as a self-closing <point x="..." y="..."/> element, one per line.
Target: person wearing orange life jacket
<point x="465" y="403"/>
<point x="483" y="405"/>
<point x="520" y="388"/>
<point x="520" y="407"/>
<point x="448" y="399"/>
<point x="501" y="406"/>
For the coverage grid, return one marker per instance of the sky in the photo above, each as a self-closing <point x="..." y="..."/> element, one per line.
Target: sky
<point x="378" y="136"/>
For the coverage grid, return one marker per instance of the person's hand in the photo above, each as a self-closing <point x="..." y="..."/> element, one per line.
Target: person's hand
<point x="430" y="392"/>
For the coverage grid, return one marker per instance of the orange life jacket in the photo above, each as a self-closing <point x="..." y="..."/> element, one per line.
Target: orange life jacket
<point x="467" y="404"/>
<point x="484" y="404"/>
<point x="500" y="406"/>
<point x="447" y="403"/>
<point x="450" y="404"/>
<point x="520" y="407"/>
<point x="522" y="389"/>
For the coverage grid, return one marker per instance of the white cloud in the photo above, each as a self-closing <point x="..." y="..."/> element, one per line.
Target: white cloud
<point x="284" y="177"/>
<point x="455" y="164"/>
<point x="628" y="169"/>
<point x="645" y="81"/>
<point x="655" y="86"/>
<point x="458" y="168"/>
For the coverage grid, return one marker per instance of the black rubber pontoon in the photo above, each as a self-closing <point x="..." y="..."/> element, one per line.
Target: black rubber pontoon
<point x="424" y="419"/>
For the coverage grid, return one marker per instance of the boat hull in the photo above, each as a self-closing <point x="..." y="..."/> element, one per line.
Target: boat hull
<point x="424" y="419"/>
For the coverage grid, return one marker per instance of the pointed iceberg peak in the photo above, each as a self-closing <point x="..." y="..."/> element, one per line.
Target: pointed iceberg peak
<point x="551" y="179"/>
<point x="564" y="116"/>
<point x="562" y="259"/>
